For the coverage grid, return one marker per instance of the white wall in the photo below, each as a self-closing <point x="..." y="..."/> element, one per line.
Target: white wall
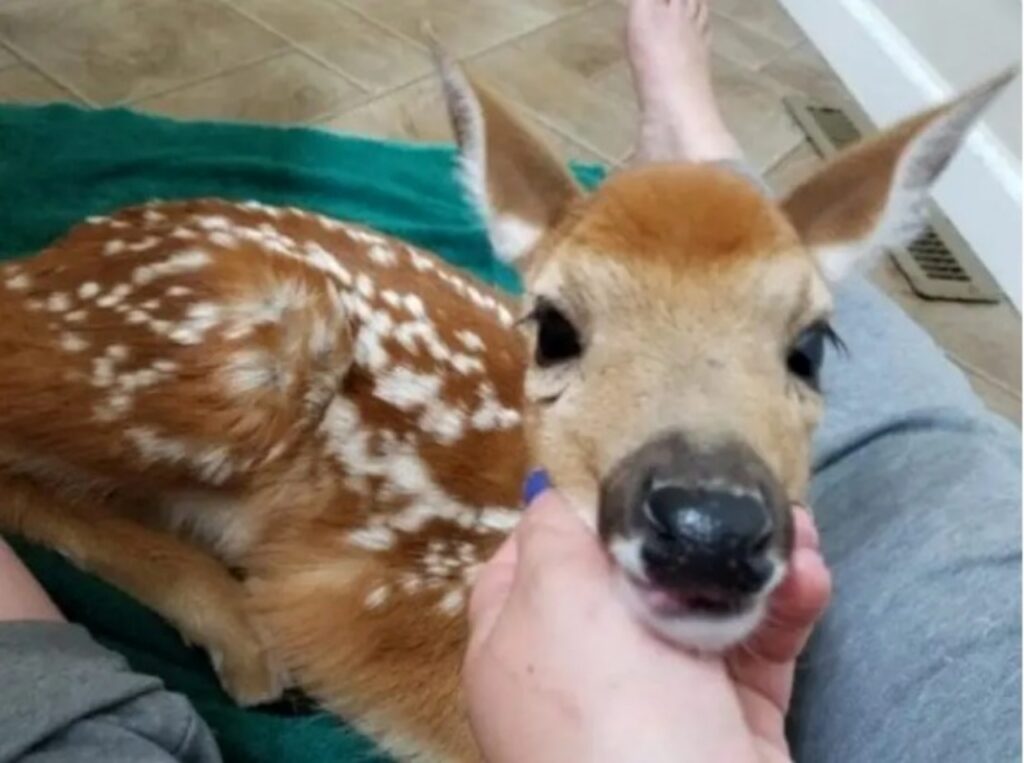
<point x="967" y="41"/>
<point x="899" y="56"/>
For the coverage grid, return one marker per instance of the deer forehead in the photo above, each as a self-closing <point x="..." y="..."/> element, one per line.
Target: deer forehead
<point x="687" y="243"/>
<point x="688" y="217"/>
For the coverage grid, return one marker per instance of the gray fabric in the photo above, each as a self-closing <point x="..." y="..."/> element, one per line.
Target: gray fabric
<point x="68" y="699"/>
<point x="917" y="493"/>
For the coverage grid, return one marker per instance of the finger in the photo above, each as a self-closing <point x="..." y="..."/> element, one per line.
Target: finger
<point x="795" y="608"/>
<point x="552" y="537"/>
<point x="805" y="531"/>
<point x="491" y="589"/>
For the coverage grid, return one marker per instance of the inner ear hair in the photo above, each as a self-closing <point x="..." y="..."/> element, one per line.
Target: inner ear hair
<point x="519" y="188"/>
<point x="872" y="195"/>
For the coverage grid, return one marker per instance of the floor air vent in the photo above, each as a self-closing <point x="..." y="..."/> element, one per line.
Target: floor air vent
<point x="939" y="264"/>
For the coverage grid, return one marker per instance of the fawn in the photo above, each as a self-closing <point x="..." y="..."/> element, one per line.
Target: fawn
<point x="296" y="438"/>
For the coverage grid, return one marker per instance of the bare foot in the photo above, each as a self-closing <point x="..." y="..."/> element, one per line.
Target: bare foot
<point x="669" y="52"/>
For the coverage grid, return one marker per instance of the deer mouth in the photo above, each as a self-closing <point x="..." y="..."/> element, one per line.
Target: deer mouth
<point x="679" y="602"/>
<point x="710" y="619"/>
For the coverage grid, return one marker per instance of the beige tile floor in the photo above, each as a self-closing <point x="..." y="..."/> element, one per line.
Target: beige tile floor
<point x="360" y="65"/>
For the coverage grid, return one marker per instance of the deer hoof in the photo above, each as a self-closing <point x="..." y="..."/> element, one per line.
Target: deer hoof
<point x="248" y="674"/>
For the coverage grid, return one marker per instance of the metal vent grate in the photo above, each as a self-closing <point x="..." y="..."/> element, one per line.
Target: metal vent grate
<point x="938" y="264"/>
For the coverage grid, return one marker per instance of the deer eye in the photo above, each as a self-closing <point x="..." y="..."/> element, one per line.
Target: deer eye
<point x="808" y="353"/>
<point x="557" y="339"/>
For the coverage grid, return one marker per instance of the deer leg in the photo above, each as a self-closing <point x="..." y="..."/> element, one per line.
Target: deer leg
<point x="385" y="660"/>
<point x="190" y="589"/>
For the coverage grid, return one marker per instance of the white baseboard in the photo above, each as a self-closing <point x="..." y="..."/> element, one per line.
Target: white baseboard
<point x="980" y="192"/>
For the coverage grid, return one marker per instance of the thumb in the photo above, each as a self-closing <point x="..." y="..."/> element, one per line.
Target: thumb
<point x="552" y="540"/>
<point x="491" y="590"/>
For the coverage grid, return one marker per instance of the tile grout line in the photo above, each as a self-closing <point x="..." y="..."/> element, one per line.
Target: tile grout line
<point x="300" y="47"/>
<point x="379" y="25"/>
<point x="476" y="53"/>
<point x="231" y="69"/>
<point x="540" y="118"/>
<point x="377" y="96"/>
<point x="28" y="60"/>
<point x="984" y="375"/>
<point x="750" y="28"/>
<point x="571" y="138"/>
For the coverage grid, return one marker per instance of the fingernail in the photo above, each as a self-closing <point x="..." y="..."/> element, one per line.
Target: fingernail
<point x="536" y="483"/>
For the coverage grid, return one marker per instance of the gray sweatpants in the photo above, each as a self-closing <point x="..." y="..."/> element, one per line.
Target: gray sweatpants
<point x="917" y="493"/>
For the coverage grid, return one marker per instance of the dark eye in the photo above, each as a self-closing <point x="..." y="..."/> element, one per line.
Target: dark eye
<point x="808" y="352"/>
<point x="557" y="339"/>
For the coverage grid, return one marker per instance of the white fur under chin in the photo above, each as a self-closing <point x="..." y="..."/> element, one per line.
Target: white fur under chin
<point x="700" y="633"/>
<point x="703" y="634"/>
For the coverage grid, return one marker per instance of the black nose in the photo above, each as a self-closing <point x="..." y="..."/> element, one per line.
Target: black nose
<point x="708" y="538"/>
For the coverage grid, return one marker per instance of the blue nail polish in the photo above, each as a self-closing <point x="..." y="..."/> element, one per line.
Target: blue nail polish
<point x="536" y="483"/>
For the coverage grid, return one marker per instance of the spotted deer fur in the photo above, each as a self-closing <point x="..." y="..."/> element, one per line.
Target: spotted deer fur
<point x="297" y="438"/>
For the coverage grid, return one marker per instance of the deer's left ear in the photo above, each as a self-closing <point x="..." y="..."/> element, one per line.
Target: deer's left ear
<point x="872" y="196"/>
<point x="518" y="186"/>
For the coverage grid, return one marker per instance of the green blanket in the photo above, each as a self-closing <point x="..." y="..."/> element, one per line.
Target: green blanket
<point x="59" y="164"/>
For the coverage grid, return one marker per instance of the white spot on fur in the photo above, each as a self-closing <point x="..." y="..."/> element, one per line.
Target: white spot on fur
<point x="364" y="285"/>
<point x="19" y="282"/>
<point x="200" y="317"/>
<point x="88" y="290"/>
<point x="470" y="340"/>
<point x="465" y="364"/>
<point x="383" y="255"/>
<point x="444" y="422"/>
<point x="452" y="602"/>
<point x="415" y="306"/>
<point x="70" y="342"/>
<point x="406" y="389"/>
<point x="58" y="302"/>
<point x="491" y="414"/>
<point x="145" y="244"/>
<point x="210" y="463"/>
<point x="364" y="236"/>
<point x="115" y="295"/>
<point x="136" y="317"/>
<point x="102" y="372"/>
<point x="212" y="222"/>
<point x="420" y="262"/>
<point x="75" y="316"/>
<point x="182" y="262"/>
<point x="113" y="247"/>
<point x="223" y="239"/>
<point x="253" y="371"/>
<point x="373" y="538"/>
<point x="378" y="597"/>
<point x="497" y="519"/>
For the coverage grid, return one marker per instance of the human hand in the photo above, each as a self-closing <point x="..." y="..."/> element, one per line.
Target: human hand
<point x="21" y="596"/>
<point x="558" y="669"/>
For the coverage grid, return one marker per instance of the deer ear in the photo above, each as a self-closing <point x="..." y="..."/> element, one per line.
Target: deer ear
<point x="872" y="196"/>
<point x="518" y="186"/>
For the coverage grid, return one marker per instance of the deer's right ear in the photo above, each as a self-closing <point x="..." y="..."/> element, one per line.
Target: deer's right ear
<point x="871" y="197"/>
<point x="518" y="186"/>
